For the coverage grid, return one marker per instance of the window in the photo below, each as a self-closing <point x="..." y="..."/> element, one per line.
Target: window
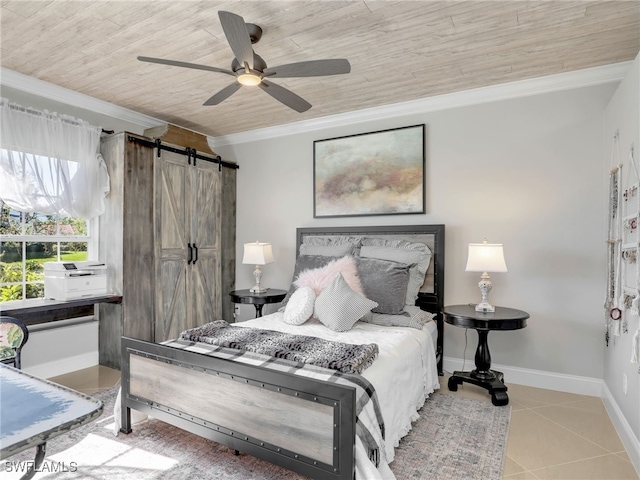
<point x="27" y="240"/>
<point x="51" y="179"/>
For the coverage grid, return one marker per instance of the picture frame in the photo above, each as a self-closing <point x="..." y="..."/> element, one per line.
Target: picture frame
<point x="374" y="173"/>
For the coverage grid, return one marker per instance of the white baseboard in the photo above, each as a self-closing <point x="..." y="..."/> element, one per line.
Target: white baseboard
<point x="559" y="382"/>
<point x="538" y="378"/>
<point x="65" y="365"/>
<point x="630" y="442"/>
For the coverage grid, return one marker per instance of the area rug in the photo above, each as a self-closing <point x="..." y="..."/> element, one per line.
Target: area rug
<point x="454" y="438"/>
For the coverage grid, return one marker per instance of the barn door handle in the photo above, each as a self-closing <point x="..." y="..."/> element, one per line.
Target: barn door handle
<point x="190" y="255"/>
<point x="195" y="250"/>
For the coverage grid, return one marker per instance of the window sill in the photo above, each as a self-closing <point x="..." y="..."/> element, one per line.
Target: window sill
<point x="39" y="310"/>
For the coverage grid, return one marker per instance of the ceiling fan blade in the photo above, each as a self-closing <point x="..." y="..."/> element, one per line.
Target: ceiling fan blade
<point x="285" y="96"/>
<point x="311" y="68"/>
<point x="235" y="29"/>
<point x="223" y="94"/>
<point x="176" y="63"/>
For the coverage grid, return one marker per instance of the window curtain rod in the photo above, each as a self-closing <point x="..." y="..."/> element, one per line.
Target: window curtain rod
<point x="69" y="121"/>
<point x="45" y="114"/>
<point x="189" y="152"/>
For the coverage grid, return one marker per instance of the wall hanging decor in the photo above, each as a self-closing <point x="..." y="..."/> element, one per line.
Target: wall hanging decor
<point x="630" y="253"/>
<point x="376" y="173"/>
<point x="612" y="304"/>
<point x="623" y="244"/>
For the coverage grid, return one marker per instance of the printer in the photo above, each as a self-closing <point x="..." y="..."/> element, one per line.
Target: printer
<point x="73" y="280"/>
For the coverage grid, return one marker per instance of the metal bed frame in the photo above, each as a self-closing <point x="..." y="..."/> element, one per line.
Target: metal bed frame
<point x="259" y="411"/>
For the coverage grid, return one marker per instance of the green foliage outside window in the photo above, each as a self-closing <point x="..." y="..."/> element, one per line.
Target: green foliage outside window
<point x="46" y="243"/>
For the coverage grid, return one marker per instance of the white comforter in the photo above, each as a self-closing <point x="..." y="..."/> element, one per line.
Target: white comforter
<point x="404" y="374"/>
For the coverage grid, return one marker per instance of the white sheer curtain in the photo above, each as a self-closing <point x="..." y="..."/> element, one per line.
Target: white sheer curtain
<point x="50" y="163"/>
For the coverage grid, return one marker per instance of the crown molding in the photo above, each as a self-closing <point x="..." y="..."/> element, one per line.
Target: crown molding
<point x="34" y="86"/>
<point x="521" y="88"/>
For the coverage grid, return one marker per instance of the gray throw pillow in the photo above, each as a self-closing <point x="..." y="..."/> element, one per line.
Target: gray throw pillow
<point x="412" y="317"/>
<point x="328" y="250"/>
<point x="385" y="282"/>
<point x="417" y="255"/>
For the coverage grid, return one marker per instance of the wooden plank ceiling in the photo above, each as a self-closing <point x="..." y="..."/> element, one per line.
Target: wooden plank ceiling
<point x="399" y="50"/>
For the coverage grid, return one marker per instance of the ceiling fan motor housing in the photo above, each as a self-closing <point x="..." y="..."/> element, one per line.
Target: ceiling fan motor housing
<point x="258" y="64"/>
<point x="255" y="32"/>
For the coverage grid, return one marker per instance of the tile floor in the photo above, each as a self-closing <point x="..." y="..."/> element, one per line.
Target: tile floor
<point x="553" y="435"/>
<point x="557" y="435"/>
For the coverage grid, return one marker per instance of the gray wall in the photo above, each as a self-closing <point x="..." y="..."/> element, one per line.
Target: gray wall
<point x="623" y="115"/>
<point x="525" y="172"/>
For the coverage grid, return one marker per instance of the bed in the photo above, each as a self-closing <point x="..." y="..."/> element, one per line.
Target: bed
<point x="308" y="418"/>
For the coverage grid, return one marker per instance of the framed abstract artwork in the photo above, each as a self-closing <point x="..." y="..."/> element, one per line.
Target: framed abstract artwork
<point x="376" y="173"/>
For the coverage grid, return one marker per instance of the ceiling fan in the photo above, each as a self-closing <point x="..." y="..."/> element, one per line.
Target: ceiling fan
<point x="250" y="69"/>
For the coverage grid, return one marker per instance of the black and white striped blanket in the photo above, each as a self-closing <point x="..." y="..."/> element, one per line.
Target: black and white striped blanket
<point x="339" y="356"/>
<point x="369" y="422"/>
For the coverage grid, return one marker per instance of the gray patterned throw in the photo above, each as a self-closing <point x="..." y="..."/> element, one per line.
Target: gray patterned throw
<point x="300" y="348"/>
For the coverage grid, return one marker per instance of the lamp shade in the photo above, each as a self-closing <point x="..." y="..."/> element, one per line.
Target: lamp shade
<point x="486" y="257"/>
<point x="257" y="253"/>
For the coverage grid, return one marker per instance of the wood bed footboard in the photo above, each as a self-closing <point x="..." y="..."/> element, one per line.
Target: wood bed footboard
<point x="299" y="423"/>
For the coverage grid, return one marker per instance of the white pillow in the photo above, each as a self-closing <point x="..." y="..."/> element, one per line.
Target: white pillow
<point x="338" y="307"/>
<point x="300" y="306"/>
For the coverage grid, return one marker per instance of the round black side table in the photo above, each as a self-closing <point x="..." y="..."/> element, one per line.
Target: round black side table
<point x="259" y="300"/>
<point x="484" y="322"/>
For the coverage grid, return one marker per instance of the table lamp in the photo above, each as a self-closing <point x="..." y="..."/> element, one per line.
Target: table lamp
<point x="257" y="254"/>
<point x="485" y="257"/>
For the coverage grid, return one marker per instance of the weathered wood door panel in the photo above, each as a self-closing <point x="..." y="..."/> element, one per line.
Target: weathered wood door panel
<point x="205" y="275"/>
<point x="126" y="246"/>
<point x="187" y="244"/>
<point x="171" y="200"/>
<point x="171" y="221"/>
<point x="172" y="298"/>
<point x="204" y="292"/>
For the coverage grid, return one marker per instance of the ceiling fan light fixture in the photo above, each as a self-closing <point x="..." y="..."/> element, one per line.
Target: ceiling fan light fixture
<point x="249" y="79"/>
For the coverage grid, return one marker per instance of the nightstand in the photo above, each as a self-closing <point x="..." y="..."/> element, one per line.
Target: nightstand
<point x="259" y="300"/>
<point x="484" y="322"/>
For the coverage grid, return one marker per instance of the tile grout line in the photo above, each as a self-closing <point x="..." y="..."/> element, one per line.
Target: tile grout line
<point x="533" y="410"/>
<point x="576" y="434"/>
<point x="570" y="463"/>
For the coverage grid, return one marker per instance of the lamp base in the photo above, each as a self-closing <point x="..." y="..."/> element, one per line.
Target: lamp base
<point x="257" y="273"/>
<point x="485" y="287"/>
<point x="485" y="307"/>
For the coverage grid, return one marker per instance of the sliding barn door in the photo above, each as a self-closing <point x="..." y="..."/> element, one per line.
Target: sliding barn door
<point x="172" y="205"/>
<point x="188" y="244"/>
<point x="204" y="273"/>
